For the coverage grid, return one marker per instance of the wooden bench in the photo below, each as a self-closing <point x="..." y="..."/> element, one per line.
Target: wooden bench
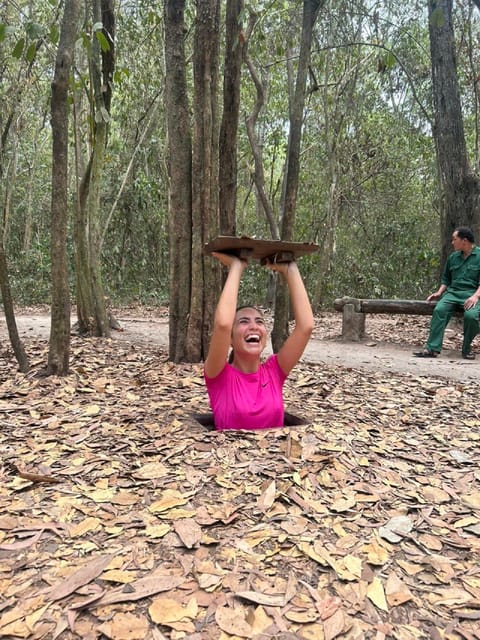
<point x="355" y="310"/>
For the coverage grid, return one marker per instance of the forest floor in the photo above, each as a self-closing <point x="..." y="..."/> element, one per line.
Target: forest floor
<point x="122" y="517"/>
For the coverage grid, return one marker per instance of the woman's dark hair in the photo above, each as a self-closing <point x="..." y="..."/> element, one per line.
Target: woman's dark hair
<point x="249" y="306"/>
<point x="465" y="233"/>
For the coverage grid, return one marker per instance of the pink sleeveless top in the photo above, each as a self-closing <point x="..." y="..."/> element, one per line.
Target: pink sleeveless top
<point x="247" y="400"/>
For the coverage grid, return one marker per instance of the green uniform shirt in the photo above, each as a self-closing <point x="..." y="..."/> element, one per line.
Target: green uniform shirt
<point x="462" y="274"/>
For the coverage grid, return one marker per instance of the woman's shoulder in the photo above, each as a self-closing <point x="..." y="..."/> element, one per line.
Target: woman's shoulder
<point x="272" y="366"/>
<point x="224" y="371"/>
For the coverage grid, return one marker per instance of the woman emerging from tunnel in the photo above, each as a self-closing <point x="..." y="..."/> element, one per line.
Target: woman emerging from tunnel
<point x="246" y="393"/>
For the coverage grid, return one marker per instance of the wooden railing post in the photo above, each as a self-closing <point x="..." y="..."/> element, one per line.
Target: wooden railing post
<point x="353" y="320"/>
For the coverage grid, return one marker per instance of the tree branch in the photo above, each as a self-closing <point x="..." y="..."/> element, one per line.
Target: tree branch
<point x="250" y="121"/>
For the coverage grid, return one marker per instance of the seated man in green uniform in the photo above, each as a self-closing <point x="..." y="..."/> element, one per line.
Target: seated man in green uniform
<point x="459" y="289"/>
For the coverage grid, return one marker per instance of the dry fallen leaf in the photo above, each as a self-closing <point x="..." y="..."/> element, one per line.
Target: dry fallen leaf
<point x="189" y="532"/>
<point x="170" y="498"/>
<point x="450" y="597"/>
<point x="267" y="497"/>
<point x="259" y="621"/>
<point x="233" y="622"/>
<point x="334" y="625"/>
<point x="79" y="578"/>
<point x="396" y="591"/>
<point x="141" y="588"/>
<point x="396" y="528"/>
<point x="266" y="599"/>
<point x="376" y="594"/>
<point x="169" y="612"/>
<point x="125" y="626"/>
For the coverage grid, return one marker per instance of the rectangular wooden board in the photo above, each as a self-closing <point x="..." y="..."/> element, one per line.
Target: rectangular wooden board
<point x="257" y="249"/>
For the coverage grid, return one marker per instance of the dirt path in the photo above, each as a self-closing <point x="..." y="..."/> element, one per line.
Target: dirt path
<point x="372" y="355"/>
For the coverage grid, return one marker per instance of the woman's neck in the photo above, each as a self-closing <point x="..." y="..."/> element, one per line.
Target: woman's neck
<point x="246" y="365"/>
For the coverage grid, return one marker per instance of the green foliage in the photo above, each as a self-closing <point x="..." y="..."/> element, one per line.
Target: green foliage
<point x="30" y="275"/>
<point x="18" y="48"/>
<point x="25" y="44"/>
<point x="34" y="30"/>
<point x="54" y="34"/>
<point x="136" y="250"/>
<point x="393" y="259"/>
<point x="102" y="40"/>
<point x="255" y="287"/>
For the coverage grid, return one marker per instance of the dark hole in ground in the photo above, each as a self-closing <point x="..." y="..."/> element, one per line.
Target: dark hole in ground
<point x="206" y="420"/>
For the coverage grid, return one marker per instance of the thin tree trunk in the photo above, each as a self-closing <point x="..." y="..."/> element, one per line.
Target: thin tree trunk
<point x="205" y="222"/>
<point x="227" y="181"/>
<point x="311" y="9"/>
<point x="180" y="177"/>
<point x="460" y="186"/>
<point x="91" y="302"/>
<point x="101" y="326"/>
<point x="15" y="341"/>
<point x="334" y="127"/>
<point x="27" y="234"/>
<point x="9" y="189"/>
<point x="251" y="122"/>
<point x="59" y="346"/>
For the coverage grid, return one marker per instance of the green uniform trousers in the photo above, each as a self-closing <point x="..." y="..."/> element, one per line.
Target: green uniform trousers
<point x="450" y="302"/>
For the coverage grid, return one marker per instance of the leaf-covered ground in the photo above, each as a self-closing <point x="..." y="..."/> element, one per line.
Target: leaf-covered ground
<point x="123" y="517"/>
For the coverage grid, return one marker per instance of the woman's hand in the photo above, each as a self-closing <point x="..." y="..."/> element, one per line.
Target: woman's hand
<point x="228" y="260"/>
<point x="279" y="267"/>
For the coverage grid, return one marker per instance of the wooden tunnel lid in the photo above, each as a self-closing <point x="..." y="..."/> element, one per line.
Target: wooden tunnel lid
<point x="258" y="249"/>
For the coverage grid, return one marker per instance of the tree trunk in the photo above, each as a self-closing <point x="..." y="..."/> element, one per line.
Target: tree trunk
<point x="460" y="186"/>
<point x="311" y="9"/>
<point x="256" y="146"/>
<point x="59" y="346"/>
<point x="227" y="181"/>
<point x="180" y="177"/>
<point x="91" y="305"/>
<point x="334" y="132"/>
<point x="327" y="250"/>
<point x="7" y="301"/>
<point x="205" y="221"/>
<point x="84" y="293"/>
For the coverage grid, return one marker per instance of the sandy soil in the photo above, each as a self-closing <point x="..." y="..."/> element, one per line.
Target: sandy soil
<point x="388" y="347"/>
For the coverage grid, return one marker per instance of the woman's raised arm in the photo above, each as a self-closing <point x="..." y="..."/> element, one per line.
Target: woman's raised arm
<point x="224" y="314"/>
<point x="293" y="347"/>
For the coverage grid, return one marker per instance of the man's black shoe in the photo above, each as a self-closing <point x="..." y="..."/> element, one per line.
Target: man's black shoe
<point x="426" y="353"/>
<point x="468" y="356"/>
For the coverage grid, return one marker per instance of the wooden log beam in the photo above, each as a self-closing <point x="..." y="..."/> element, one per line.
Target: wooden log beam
<point x="340" y="303"/>
<point x="407" y="307"/>
<point x="354" y="312"/>
<point x="411" y="307"/>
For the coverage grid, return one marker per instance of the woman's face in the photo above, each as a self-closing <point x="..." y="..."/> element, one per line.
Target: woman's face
<point x="249" y="334"/>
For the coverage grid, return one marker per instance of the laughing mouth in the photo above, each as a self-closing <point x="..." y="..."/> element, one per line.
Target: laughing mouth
<point x="253" y="339"/>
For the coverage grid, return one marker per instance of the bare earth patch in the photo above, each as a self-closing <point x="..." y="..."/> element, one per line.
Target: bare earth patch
<point x="122" y="517"/>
